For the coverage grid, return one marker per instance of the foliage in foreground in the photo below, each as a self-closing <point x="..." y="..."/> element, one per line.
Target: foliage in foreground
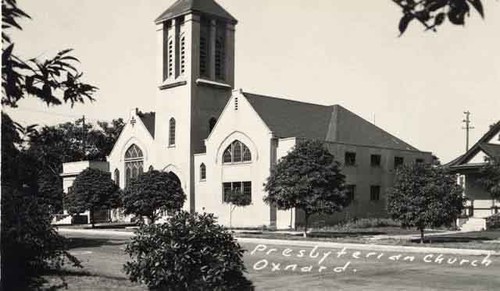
<point x="433" y="13"/>
<point x="424" y="196"/>
<point x="152" y="193"/>
<point x="29" y="243"/>
<point x="92" y="190"/>
<point x="188" y="252"/>
<point x="307" y="178"/>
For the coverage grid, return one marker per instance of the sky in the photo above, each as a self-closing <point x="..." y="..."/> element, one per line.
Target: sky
<point x="416" y="86"/>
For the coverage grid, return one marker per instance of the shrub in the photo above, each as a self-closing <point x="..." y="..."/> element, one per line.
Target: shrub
<point x="493" y="222"/>
<point x="188" y="252"/>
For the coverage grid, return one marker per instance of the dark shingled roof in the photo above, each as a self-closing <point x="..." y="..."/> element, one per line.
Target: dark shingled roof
<point x="149" y="121"/>
<point x="181" y="7"/>
<point x="493" y="150"/>
<point x="288" y="118"/>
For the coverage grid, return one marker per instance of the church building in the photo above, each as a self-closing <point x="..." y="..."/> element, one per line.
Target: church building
<point x="216" y="138"/>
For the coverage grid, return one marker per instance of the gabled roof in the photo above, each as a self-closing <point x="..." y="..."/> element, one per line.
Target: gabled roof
<point x="181" y="7"/>
<point x="492" y="150"/>
<point x="149" y="121"/>
<point x="288" y="118"/>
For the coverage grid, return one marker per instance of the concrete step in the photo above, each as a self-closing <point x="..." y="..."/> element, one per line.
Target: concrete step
<point x="474" y="224"/>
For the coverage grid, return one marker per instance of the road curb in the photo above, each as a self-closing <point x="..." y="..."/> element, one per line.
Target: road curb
<point x="322" y="244"/>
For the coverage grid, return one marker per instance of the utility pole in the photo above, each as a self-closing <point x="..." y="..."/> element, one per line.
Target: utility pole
<point x="467" y="128"/>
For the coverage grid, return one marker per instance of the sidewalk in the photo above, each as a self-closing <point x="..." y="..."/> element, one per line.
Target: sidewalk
<point x="322" y="244"/>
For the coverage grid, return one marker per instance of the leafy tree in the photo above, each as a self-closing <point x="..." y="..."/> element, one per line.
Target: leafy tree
<point x="237" y="199"/>
<point x="490" y="177"/>
<point x="309" y="179"/>
<point x="424" y="196"/>
<point x="54" y="145"/>
<point x="29" y="242"/>
<point x="188" y="252"/>
<point x="433" y="13"/>
<point x="40" y="79"/>
<point x="93" y="190"/>
<point x="152" y="193"/>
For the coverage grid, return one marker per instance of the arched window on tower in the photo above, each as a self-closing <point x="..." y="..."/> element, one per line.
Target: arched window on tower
<point x="203" y="172"/>
<point x="211" y="124"/>
<point x="171" y="133"/>
<point x="117" y="177"/>
<point x="236" y="152"/>
<point x="134" y="163"/>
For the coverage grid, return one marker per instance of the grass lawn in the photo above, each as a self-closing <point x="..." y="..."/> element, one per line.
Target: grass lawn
<point x="489" y="240"/>
<point x="103" y="258"/>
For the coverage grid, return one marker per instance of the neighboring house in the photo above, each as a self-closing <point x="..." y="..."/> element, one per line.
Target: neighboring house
<point x="216" y="139"/>
<point x="480" y="204"/>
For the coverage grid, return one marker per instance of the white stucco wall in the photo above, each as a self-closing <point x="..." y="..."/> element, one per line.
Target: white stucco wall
<point x="246" y="126"/>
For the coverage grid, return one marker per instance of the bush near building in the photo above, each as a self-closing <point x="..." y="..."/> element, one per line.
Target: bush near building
<point x="188" y="252"/>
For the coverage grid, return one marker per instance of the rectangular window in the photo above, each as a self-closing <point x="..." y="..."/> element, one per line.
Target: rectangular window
<point x="351" y="191"/>
<point x="350" y="159"/>
<point x="398" y="161"/>
<point x="226" y="188"/>
<point x="374" y="193"/>
<point x="419" y="161"/>
<point x="242" y="187"/>
<point x="375" y="160"/>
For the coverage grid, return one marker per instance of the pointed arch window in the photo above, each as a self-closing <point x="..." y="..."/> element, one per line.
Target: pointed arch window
<point x="134" y="163"/>
<point x="236" y="152"/>
<point x="171" y="135"/>
<point x="203" y="172"/>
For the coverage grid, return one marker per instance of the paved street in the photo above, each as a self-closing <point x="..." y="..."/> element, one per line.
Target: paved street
<point x="273" y="266"/>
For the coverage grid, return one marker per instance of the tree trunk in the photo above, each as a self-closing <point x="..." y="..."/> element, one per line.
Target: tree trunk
<point x="91" y="216"/>
<point x="306" y="224"/>
<point x="422" y="235"/>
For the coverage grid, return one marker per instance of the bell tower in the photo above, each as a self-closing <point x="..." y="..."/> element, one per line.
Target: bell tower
<point x="195" y="77"/>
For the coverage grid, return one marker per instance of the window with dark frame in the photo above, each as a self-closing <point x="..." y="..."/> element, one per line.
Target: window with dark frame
<point x="351" y="191"/>
<point x="171" y="136"/>
<point x="134" y="163"/>
<point x="117" y="177"/>
<point x="375" y="193"/>
<point x="243" y="187"/>
<point x="203" y="172"/>
<point x="350" y="159"/>
<point x="236" y="152"/>
<point x="376" y="160"/>
<point x="398" y="162"/>
<point x="419" y="161"/>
